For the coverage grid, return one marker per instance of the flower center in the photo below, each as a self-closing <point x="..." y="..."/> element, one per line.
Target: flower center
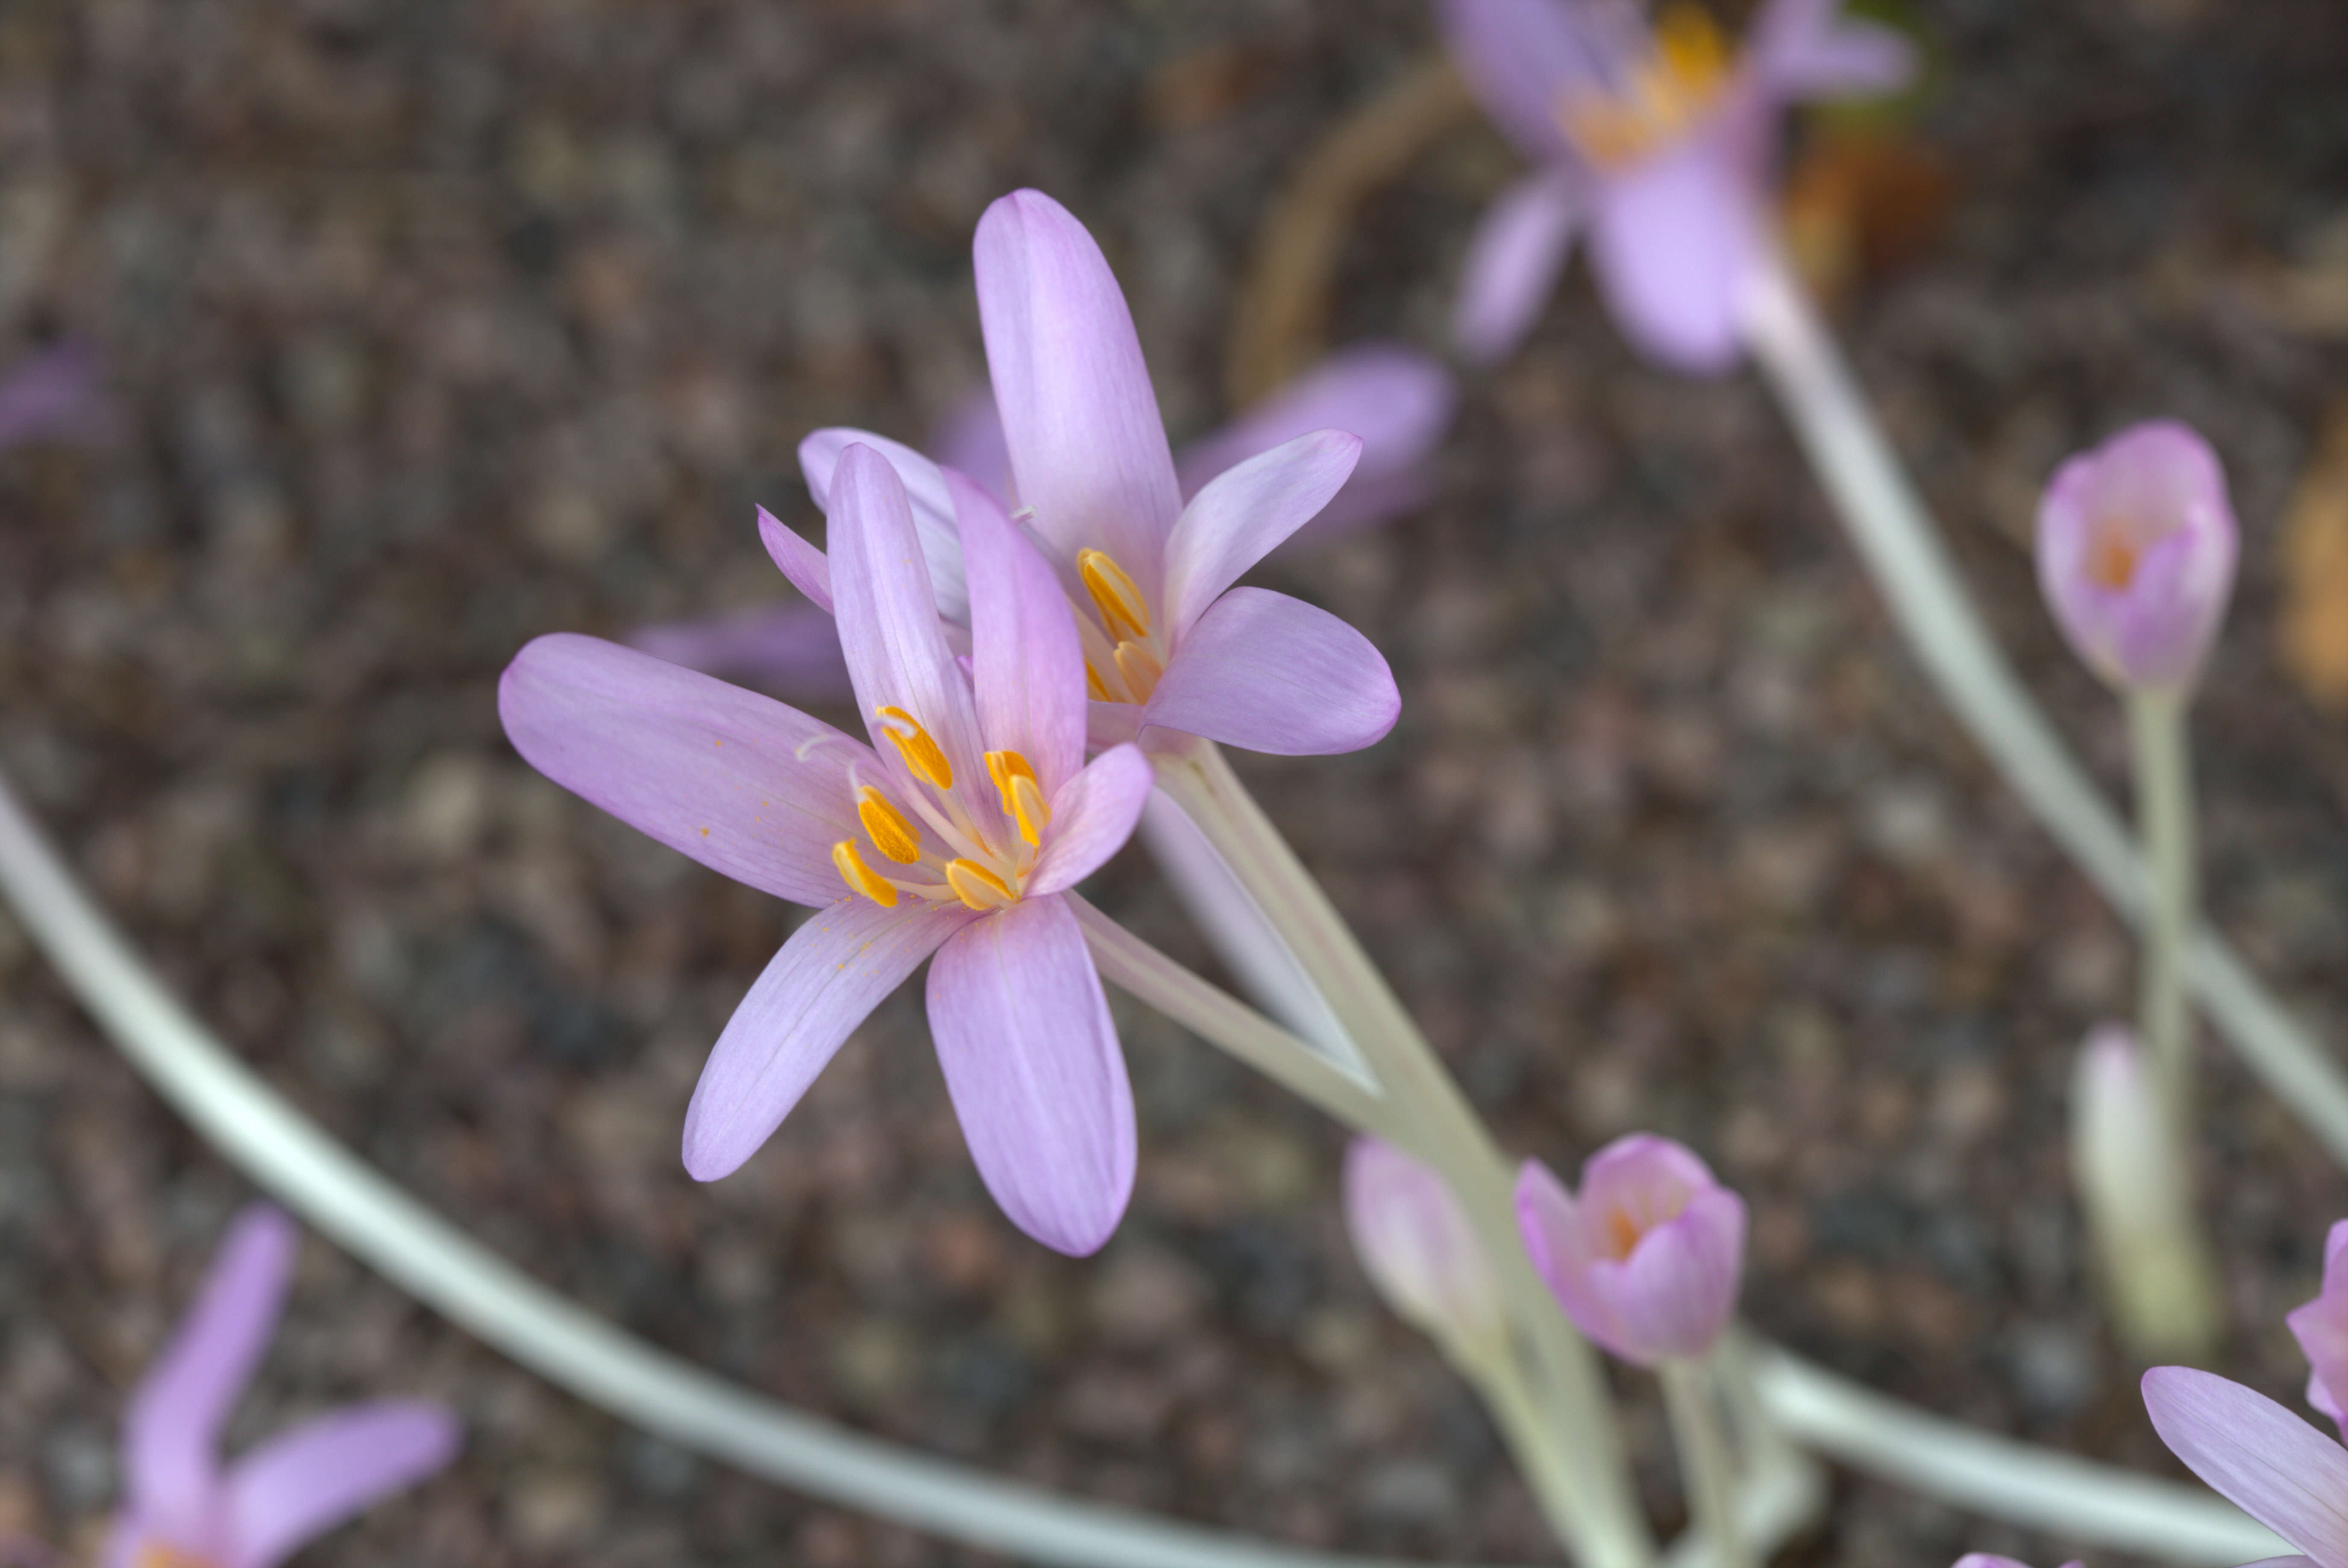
<point x="1623" y="1234"/>
<point x="955" y="859"/>
<point x="2112" y="557"/>
<point x="152" y="1553"/>
<point x="1125" y="653"/>
<point x="1666" y="94"/>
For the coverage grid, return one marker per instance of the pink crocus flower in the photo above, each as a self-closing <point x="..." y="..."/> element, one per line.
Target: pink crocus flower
<point x="2320" y="1327"/>
<point x="1417" y="1246"/>
<point x="2137" y="547"/>
<point x="1646" y="1259"/>
<point x="1659" y="141"/>
<point x="2270" y="1464"/>
<point x="184" y="1510"/>
<point x="957" y="832"/>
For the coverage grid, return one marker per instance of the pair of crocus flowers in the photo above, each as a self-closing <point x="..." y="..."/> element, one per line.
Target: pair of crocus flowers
<point x="988" y="656"/>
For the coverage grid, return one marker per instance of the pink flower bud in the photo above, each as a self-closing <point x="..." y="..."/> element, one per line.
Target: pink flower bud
<point x="2136" y="544"/>
<point x="1645" y="1260"/>
<point x="1416" y="1245"/>
<point x="2321" y="1330"/>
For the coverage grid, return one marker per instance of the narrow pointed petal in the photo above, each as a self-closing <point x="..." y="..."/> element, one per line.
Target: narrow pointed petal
<point x="1027" y="666"/>
<point x="298" y="1486"/>
<point x="970" y="438"/>
<point x="1522" y="57"/>
<point x="1265" y="672"/>
<point x="788" y="648"/>
<point x="1037" y="1075"/>
<point x="898" y="655"/>
<point x="1244" y="514"/>
<point x="925" y="493"/>
<point x="1514" y="260"/>
<point x="1088" y="445"/>
<point x="2276" y="1467"/>
<point x="171" y="1435"/>
<point x="1673" y="244"/>
<point x="825" y="980"/>
<point x="1806" y="49"/>
<point x="806" y="568"/>
<point x="751" y="789"/>
<point x="1092" y="815"/>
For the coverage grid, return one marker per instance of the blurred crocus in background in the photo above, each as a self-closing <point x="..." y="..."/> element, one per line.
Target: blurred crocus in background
<point x="184" y="1510"/>
<point x="1419" y="1250"/>
<point x="1659" y="141"/>
<point x="2320" y="1327"/>
<point x="1646" y="1257"/>
<point x="2134" y="1190"/>
<point x="2137" y="545"/>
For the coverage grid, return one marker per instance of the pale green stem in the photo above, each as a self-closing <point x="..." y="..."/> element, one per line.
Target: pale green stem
<point x="1706" y="1469"/>
<point x="288" y="1155"/>
<point x="2164" y="784"/>
<point x="1896" y="539"/>
<point x="1533" y="1436"/>
<point x="1442" y="1129"/>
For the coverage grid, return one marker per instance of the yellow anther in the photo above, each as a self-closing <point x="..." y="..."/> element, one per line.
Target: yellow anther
<point x="1140" y="669"/>
<point x="979" y="887"/>
<point x="1665" y="94"/>
<point x="860" y="877"/>
<point x="913" y="744"/>
<point x="1023" y="795"/>
<point x="2112" y="558"/>
<point x="1094" y="683"/>
<point x="891" y="834"/>
<point x="1123" y="609"/>
<point x="163" y="1554"/>
<point x="1691" y="47"/>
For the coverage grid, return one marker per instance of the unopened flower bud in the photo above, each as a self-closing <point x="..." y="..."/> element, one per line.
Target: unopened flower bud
<point x="1416" y="1245"/>
<point x="2321" y="1330"/>
<point x="2136" y="544"/>
<point x="1645" y="1260"/>
<point x="2132" y="1183"/>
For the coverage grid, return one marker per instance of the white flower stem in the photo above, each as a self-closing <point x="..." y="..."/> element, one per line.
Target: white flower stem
<point x="2164" y="794"/>
<point x="1896" y="539"/>
<point x="1707" y="1469"/>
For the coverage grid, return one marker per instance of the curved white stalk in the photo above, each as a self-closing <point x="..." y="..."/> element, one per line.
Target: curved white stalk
<point x="1896" y="539"/>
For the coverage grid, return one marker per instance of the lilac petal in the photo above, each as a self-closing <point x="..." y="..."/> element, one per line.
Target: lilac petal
<point x="1244" y="514"/>
<point x="53" y="393"/>
<point x="897" y="651"/>
<point x="1108" y="723"/>
<point x="1676" y="1292"/>
<point x="1037" y="1076"/>
<point x="1804" y="48"/>
<point x="970" y="438"/>
<point x="1092" y="817"/>
<point x="926" y="491"/>
<point x="1524" y="56"/>
<point x="1674" y="242"/>
<point x="2276" y="1467"/>
<point x="792" y="648"/>
<point x="825" y="980"/>
<point x="808" y="569"/>
<point x="1027" y="666"/>
<point x="1265" y="672"/>
<point x="753" y="790"/>
<point x="170" y="1436"/>
<point x="1088" y="449"/>
<point x="1518" y="251"/>
<point x="2320" y="1327"/>
<point x="1549" y="1222"/>
<point x="299" y="1485"/>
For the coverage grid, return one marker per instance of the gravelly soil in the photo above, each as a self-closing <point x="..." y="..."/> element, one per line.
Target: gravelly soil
<point x="433" y="326"/>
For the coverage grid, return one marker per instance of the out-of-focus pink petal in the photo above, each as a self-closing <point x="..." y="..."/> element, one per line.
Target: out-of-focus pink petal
<point x="897" y="651"/>
<point x="170" y="1436"/>
<point x="1087" y="446"/>
<point x="1108" y="723"/>
<point x="925" y="493"/>
<point x="1037" y="1078"/>
<point x="1678" y="1288"/>
<point x="970" y="438"/>
<point x="808" y="569"/>
<point x="1417" y="1246"/>
<point x="1246" y="512"/>
<point x="1523" y="57"/>
<point x="788" y="648"/>
<point x="751" y="789"/>
<point x="299" y="1485"/>
<point x="1092" y="815"/>
<point x="1514" y="258"/>
<point x="2270" y="1464"/>
<point x="825" y="980"/>
<point x="53" y="393"/>
<point x="1027" y="666"/>
<point x="2320" y="1327"/>
<point x="1674" y="242"/>
<point x="1265" y="672"/>
<point x="1806" y="49"/>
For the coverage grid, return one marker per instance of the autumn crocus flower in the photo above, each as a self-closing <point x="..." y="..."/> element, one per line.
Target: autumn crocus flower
<point x="2137" y="545"/>
<point x="1645" y="1258"/>
<point x="1658" y="140"/>
<point x="2320" y="1327"/>
<point x="184" y="1510"/>
<point x="956" y="832"/>
<point x="2270" y="1464"/>
<point x="1417" y="1246"/>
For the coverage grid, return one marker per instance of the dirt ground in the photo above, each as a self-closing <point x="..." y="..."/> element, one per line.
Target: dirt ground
<point x="434" y="325"/>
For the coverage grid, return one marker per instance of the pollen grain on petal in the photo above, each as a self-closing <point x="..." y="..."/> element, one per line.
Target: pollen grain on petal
<point x="1114" y="594"/>
<point x="891" y="834"/>
<point x="860" y="877"/>
<point x="979" y="887"/>
<point x="915" y="745"/>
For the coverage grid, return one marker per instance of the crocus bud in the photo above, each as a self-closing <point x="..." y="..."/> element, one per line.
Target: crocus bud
<point x="2136" y="544"/>
<point x="1645" y="1260"/>
<point x="2132" y="1182"/>
<point x="1416" y="1242"/>
<point x="2321" y="1330"/>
